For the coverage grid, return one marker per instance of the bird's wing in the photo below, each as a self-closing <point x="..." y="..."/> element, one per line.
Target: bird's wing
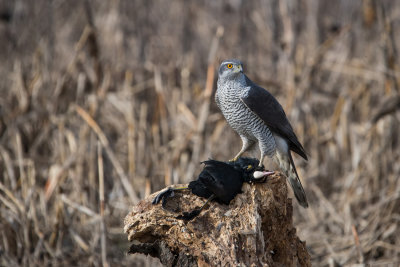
<point x="268" y="109"/>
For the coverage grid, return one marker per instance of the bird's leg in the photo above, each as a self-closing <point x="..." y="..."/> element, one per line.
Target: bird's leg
<point x="237" y="156"/>
<point x="246" y="144"/>
<point x="260" y="164"/>
<point x="165" y="194"/>
<point x="187" y="216"/>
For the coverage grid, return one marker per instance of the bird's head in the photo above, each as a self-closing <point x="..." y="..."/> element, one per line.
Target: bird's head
<point x="230" y="69"/>
<point x="250" y="169"/>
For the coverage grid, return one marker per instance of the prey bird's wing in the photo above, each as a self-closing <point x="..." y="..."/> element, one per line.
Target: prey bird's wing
<point x="268" y="109"/>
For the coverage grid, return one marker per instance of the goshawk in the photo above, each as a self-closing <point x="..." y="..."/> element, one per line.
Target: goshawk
<point x="258" y="117"/>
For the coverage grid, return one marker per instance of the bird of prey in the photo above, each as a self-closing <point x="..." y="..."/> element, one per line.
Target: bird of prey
<point x="219" y="181"/>
<point x="258" y="117"/>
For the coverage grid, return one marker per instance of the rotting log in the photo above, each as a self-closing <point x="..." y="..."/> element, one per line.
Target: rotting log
<point x="256" y="229"/>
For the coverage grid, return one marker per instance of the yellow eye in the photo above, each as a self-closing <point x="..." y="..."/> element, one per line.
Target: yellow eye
<point x="229" y="66"/>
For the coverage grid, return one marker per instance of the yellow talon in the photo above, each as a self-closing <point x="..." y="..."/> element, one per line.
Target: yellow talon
<point x="233" y="160"/>
<point x="249" y="167"/>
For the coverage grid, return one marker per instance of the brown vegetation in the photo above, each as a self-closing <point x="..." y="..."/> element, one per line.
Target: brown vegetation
<point x="115" y="92"/>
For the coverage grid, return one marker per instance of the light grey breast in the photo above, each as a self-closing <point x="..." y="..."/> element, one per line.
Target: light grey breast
<point x="241" y="118"/>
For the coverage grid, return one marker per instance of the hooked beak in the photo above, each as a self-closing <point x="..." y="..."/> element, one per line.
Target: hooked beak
<point x="259" y="175"/>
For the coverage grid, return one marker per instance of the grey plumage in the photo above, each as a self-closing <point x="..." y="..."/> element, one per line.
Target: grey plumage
<point x="258" y="117"/>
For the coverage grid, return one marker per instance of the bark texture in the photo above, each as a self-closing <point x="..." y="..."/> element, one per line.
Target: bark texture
<point x="254" y="230"/>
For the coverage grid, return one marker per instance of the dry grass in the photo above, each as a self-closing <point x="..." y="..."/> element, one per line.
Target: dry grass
<point x="103" y="103"/>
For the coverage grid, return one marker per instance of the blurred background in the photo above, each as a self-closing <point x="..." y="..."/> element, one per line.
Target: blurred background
<point x="105" y="102"/>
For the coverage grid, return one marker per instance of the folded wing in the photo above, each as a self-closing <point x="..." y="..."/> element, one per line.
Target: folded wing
<point x="268" y="109"/>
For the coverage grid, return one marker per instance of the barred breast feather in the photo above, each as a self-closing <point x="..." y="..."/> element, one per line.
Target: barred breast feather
<point x="240" y="117"/>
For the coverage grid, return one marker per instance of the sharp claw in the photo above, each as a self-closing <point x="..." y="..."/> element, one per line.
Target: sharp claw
<point x="234" y="159"/>
<point x="163" y="195"/>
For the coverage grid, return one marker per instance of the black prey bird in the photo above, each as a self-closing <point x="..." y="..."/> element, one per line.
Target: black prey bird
<point x="219" y="181"/>
<point x="257" y="116"/>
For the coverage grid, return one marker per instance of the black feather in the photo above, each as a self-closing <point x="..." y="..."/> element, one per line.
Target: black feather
<point x="218" y="178"/>
<point x="219" y="181"/>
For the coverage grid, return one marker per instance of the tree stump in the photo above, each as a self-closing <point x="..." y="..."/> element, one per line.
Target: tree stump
<point x="254" y="230"/>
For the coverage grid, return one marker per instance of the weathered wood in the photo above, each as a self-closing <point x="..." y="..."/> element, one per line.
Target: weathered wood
<point x="254" y="230"/>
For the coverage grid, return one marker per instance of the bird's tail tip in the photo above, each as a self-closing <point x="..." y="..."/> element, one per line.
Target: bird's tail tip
<point x="298" y="190"/>
<point x="293" y="177"/>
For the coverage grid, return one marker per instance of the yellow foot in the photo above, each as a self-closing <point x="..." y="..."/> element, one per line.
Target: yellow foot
<point x="233" y="160"/>
<point x="249" y="167"/>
